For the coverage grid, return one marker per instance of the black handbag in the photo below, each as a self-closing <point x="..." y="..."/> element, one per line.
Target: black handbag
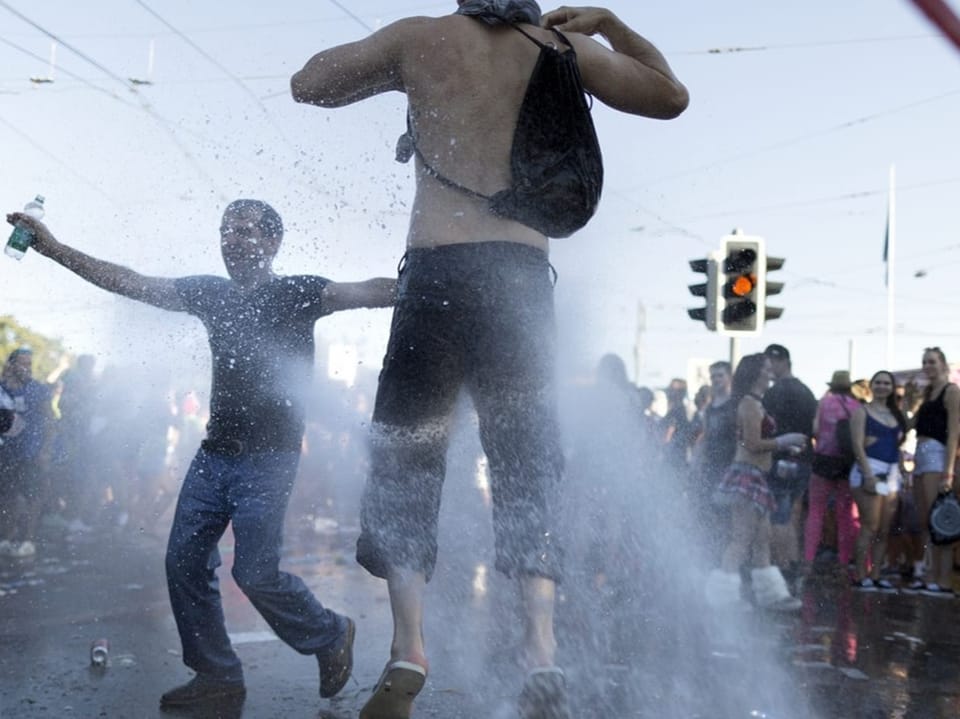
<point x="844" y="437"/>
<point x="830" y="467"/>
<point x="944" y="519"/>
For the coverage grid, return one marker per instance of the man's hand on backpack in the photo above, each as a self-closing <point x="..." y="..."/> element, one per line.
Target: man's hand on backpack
<point x="585" y="20"/>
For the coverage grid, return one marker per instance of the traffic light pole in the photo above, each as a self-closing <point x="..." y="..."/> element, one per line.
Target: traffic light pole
<point x="734" y="352"/>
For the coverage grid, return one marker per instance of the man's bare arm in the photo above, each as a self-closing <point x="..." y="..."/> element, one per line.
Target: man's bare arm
<point x="355" y="71"/>
<point x="157" y="291"/>
<point x="634" y="77"/>
<point x="376" y="292"/>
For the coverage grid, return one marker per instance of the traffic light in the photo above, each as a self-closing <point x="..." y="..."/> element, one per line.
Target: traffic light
<point x="706" y="289"/>
<point x="735" y="286"/>
<point x="772" y="288"/>
<point x="742" y="280"/>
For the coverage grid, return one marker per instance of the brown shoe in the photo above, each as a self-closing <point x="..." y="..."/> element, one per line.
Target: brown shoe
<point x="395" y="692"/>
<point x="202" y="689"/>
<point x="337" y="665"/>
<point x="544" y="696"/>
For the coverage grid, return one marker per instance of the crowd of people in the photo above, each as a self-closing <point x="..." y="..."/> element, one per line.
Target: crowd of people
<point x="506" y="157"/>
<point x="771" y="468"/>
<point x="93" y="450"/>
<point x="107" y="451"/>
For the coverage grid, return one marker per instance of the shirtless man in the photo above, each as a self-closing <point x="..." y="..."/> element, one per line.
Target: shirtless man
<point x="475" y="304"/>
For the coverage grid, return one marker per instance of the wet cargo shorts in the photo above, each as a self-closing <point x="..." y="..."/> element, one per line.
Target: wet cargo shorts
<point x="478" y="316"/>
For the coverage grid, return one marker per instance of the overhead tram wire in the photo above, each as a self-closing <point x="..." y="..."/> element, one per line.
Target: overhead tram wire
<point x="221" y="67"/>
<point x="863" y="194"/>
<point x="69" y="167"/>
<point x="209" y="141"/>
<point x="349" y="14"/>
<point x="630" y="201"/>
<point x="346" y="12"/>
<point x="796" y="140"/>
<point x="730" y="50"/>
<point x="144" y="104"/>
<point x="806" y="280"/>
<point x="291" y="146"/>
<point x="78" y="78"/>
<point x="405" y="10"/>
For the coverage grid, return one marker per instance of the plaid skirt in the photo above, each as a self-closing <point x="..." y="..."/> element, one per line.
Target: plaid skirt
<point x="748" y="482"/>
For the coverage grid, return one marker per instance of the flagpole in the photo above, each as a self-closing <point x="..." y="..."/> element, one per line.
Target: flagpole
<point x="890" y="250"/>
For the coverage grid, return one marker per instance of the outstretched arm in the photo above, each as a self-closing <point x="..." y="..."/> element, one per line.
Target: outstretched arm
<point x="377" y="292"/>
<point x="348" y="73"/>
<point x="157" y="291"/>
<point x="634" y="77"/>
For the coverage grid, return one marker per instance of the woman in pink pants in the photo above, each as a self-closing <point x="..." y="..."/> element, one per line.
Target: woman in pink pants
<point x="830" y="476"/>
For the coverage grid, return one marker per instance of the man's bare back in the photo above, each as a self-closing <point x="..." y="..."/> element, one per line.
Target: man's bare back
<point x="465" y="81"/>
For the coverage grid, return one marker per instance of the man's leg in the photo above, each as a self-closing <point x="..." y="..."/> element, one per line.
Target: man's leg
<point x="406" y="602"/>
<point x="259" y="492"/>
<point x="192" y="559"/>
<point x="540" y="645"/>
<point x="418" y="386"/>
<point x="405" y="674"/>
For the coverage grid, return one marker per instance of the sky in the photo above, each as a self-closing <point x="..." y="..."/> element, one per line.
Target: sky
<point x="798" y="112"/>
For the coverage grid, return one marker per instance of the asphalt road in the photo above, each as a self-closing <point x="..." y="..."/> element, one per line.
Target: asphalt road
<point x="633" y="645"/>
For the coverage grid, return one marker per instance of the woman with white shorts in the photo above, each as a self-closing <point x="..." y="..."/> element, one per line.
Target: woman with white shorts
<point x="877" y="429"/>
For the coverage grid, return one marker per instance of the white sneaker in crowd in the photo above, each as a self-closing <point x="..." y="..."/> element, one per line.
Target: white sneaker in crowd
<point x="78" y="525"/>
<point x="24" y="549"/>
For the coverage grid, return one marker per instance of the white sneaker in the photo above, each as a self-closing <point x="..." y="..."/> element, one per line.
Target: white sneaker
<point x="6" y="548"/>
<point x="24" y="549"/>
<point x="78" y="525"/>
<point x="933" y="589"/>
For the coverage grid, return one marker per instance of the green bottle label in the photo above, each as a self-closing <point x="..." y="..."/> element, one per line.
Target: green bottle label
<point x="20" y="239"/>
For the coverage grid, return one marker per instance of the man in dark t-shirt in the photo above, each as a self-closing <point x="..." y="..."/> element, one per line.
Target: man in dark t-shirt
<point x="260" y="328"/>
<point x="718" y="443"/>
<point x="793" y="406"/>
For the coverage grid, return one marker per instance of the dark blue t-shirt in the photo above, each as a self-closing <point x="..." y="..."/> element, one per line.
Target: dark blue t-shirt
<point x="262" y="350"/>
<point x="28" y="400"/>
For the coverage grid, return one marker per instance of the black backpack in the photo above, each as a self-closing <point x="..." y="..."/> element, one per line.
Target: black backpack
<point x="845" y="438"/>
<point x="555" y="160"/>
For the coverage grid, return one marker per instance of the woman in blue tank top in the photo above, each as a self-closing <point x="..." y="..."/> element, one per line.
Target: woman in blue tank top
<point x="877" y="429"/>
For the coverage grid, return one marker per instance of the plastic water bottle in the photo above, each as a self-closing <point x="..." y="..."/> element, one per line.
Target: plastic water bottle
<point x="99" y="651"/>
<point x="21" y="237"/>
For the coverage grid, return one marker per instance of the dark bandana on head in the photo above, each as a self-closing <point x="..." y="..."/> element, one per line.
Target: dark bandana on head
<point x="502" y="11"/>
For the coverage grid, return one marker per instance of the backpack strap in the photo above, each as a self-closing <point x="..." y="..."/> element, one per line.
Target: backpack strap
<point x="539" y="44"/>
<point x="542" y="46"/>
<point x="407" y="147"/>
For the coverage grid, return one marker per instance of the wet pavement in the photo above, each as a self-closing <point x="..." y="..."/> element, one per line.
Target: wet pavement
<point x="628" y="652"/>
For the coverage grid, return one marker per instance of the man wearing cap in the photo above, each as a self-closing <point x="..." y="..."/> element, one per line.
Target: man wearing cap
<point x="793" y="406"/>
<point x="24" y="455"/>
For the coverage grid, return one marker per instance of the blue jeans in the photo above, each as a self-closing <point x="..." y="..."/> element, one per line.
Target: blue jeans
<point x="252" y="492"/>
